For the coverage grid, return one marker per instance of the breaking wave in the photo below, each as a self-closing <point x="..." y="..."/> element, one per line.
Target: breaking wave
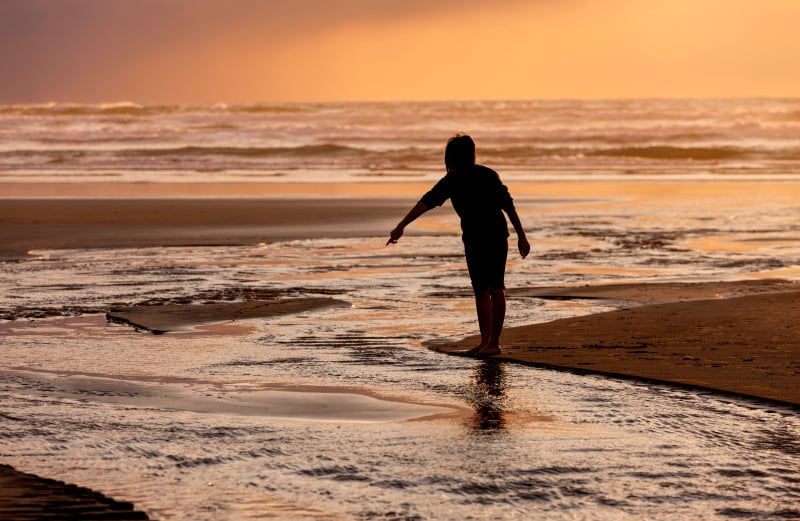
<point x="325" y="149"/>
<point x="347" y="141"/>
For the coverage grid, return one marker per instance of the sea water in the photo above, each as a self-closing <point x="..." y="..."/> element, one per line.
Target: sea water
<point x="80" y="397"/>
<point x="335" y="142"/>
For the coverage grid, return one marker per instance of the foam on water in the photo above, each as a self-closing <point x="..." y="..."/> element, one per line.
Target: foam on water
<point x="346" y="142"/>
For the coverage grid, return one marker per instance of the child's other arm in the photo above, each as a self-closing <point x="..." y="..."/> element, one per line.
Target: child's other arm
<point x="522" y="240"/>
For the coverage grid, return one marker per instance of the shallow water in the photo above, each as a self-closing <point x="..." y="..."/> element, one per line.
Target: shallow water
<point x="84" y="400"/>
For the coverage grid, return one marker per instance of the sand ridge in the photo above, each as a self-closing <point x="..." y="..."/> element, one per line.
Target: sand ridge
<point x="29" y="497"/>
<point x="182" y="317"/>
<point x="747" y="345"/>
<point x="269" y="401"/>
<point x="30" y="224"/>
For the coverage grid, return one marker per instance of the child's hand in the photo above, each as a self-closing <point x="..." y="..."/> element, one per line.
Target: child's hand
<point x="394" y="235"/>
<point x="524" y="247"/>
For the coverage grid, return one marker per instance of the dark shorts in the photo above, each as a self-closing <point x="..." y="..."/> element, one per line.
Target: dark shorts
<point x="486" y="262"/>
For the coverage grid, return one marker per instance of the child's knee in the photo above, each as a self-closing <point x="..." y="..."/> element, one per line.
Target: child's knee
<point x="497" y="292"/>
<point x="481" y="292"/>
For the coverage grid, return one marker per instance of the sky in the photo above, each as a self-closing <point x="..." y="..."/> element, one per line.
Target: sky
<point x="187" y="51"/>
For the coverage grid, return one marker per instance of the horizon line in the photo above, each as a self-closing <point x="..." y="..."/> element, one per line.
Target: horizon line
<point x="128" y="102"/>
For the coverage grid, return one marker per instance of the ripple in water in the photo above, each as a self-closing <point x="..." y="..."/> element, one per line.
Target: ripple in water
<point x="537" y="445"/>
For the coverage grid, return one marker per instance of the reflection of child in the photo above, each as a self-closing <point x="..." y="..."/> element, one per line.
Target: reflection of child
<point x="479" y="198"/>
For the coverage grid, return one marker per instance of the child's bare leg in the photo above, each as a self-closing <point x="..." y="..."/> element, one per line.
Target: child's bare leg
<point x="483" y="305"/>
<point x="498" y="315"/>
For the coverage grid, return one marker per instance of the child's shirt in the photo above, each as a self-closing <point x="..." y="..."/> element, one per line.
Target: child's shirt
<point x="479" y="198"/>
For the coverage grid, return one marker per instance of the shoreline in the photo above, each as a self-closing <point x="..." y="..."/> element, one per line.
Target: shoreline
<point x="745" y="345"/>
<point x="635" y="343"/>
<point x="125" y="214"/>
<point x="31" y="224"/>
<point x="102" y="222"/>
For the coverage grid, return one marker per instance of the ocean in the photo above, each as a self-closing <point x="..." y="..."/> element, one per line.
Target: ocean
<point x="352" y="142"/>
<point x="178" y="423"/>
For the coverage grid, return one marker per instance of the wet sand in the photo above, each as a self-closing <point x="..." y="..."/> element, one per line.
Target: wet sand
<point x="305" y="403"/>
<point x="733" y="337"/>
<point x="685" y="333"/>
<point x="28" y="224"/>
<point x="739" y="337"/>
<point x="167" y="318"/>
<point x="25" y="497"/>
<point x="697" y="335"/>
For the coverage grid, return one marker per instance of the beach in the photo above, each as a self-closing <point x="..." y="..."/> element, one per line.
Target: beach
<point x="164" y="221"/>
<point x="744" y="345"/>
<point x="201" y="319"/>
<point x="735" y="337"/>
<point x="28" y="497"/>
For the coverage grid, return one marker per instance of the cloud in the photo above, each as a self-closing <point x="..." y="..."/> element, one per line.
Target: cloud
<point x="318" y="50"/>
<point x="80" y="44"/>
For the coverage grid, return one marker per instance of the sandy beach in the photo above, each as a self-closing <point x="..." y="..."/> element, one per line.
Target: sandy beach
<point x="728" y="336"/>
<point x="99" y="216"/>
<point x="25" y="497"/>
<point x="211" y="307"/>
<point x="738" y="337"/>
<point x="105" y="223"/>
<point x="698" y="335"/>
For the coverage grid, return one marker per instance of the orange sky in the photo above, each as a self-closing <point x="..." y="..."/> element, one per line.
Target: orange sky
<point x="327" y="50"/>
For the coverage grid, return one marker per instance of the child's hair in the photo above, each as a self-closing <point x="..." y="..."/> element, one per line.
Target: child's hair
<point x="460" y="152"/>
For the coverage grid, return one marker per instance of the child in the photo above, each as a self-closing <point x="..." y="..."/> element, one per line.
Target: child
<point x="479" y="198"/>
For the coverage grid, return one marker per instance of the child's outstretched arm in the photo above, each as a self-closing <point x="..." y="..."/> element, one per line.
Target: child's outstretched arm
<point x="418" y="209"/>
<point x="522" y="240"/>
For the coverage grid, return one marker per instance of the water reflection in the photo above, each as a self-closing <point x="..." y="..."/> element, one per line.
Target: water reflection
<point x="780" y="438"/>
<point x="486" y="394"/>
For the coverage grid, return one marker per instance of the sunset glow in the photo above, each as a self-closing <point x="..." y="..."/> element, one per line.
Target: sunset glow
<point x="83" y="50"/>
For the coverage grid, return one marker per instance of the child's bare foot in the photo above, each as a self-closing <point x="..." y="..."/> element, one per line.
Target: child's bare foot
<point x="475" y="350"/>
<point x="490" y="350"/>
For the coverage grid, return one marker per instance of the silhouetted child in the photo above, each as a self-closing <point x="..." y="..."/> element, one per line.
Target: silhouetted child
<point x="479" y="198"/>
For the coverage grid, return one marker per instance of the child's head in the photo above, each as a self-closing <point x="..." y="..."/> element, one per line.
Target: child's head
<point x="459" y="153"/>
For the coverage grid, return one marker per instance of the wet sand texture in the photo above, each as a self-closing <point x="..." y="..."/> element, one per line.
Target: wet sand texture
<point x="747" y="345"/>
<point x="297" y="402"/>
<point x="178" y="317"/>
<point x="25" y="497"/>
<point x="102" y="223"/>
